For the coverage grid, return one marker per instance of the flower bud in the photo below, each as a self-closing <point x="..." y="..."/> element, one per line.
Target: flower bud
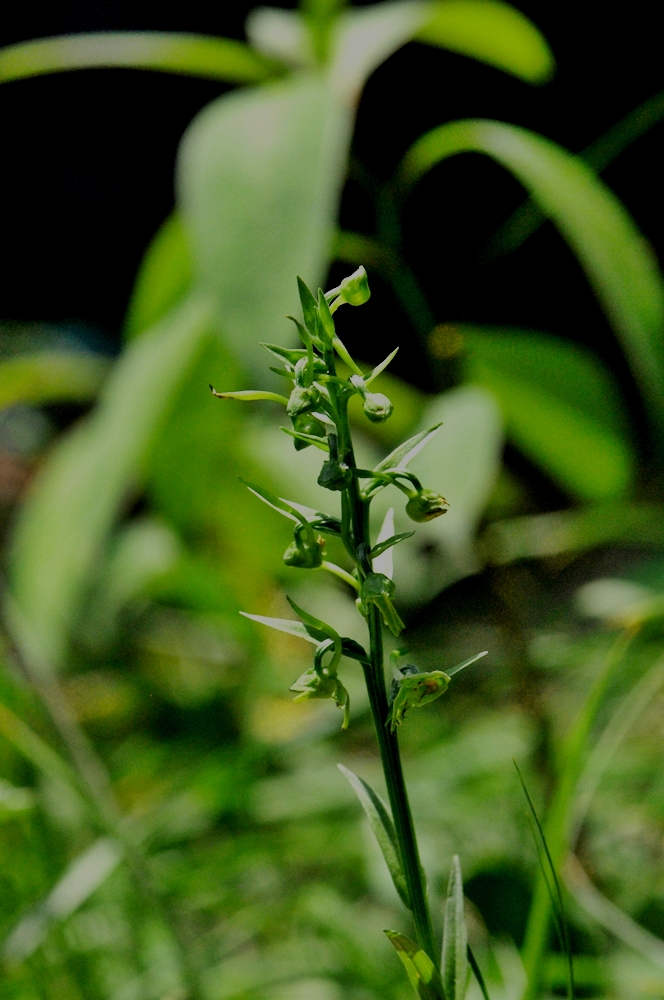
<point x="334" y="475"/>
<point x="303" y="553"/>
<point x="302" y="367"/>
<point x="377" y="407"/>
<point x="302" y="400"/>
<point x="425" y="505"/>
<point x="306" y="423"/>
<point x="378" y="589"/>
<point x="355" y="288"/>
<point x="313" y="685"/>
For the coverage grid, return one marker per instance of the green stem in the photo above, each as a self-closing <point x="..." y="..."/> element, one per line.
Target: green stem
<point x="357" y="510"/>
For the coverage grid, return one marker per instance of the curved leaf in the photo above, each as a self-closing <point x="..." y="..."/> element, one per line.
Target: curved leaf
<point x="79" y="491"/>
<point x="422" y="973"/>
<point x="382" y="828"/>
<point x="492" y="32"/>
<point x="170" y="52"/>
<point x="51" y="377"/>
<point x="259" y="180"/>
<point x="600" y="231"/>
<point x="562" y="409"/>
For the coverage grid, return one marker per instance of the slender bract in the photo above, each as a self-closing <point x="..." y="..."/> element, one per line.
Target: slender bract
<point x="319" y="397"/>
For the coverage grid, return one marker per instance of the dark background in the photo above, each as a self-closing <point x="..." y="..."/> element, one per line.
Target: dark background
<point x="87" y="170"/>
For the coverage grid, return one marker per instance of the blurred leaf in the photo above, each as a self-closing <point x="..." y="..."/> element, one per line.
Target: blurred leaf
<point x="423" y="975"/>
<point x="382" y="828"/>
<point x="280" y="34"/>
<point x="52" y="377"/>
<point x="85" y="874"/>
<point x="79" y="491"/>
<point x="259" y="180"/>
<point x="540" y="535"/>
<point x="166" y="51"/>
<point x="562" y="409"/>
<point x="31" y="746"/>
<point x="528" y="218"/>
<point x="492" y="32"/>
<point x="455" y="937"/>
<point x="462" y="463"/>
<point x="164" y="277"/>
<point x="620" y="267"/>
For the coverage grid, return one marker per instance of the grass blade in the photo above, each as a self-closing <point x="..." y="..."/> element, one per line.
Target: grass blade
<point x="553" y="885"/>
<point x="455" y="937"/>
<point x="422" y="973"/>
<point x="477" y="972"/>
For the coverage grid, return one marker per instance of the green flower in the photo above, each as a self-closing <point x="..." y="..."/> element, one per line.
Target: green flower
<point x="306" y="549"/>
<point x="413" y="690"/>
<point x="425" y="505"/>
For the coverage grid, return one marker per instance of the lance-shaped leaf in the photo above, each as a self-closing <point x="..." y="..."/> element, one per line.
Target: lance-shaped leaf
<point x="164" y="277"/>
<point x="455" y="937"/>
<point x="620" y="268"/>
<point x="319" y="629"/>
<point x="381" y="547"/>
<point x="368" y="379"/>
<point x="281" y="506"/>
<point x="401" y="456"/>
<point x="382" y="828"/>
<point x="423" y="975"/>
<point x="307" y="438"/>
<point x="251" y="395"/>
<point x="349" y="647"/>
<point x="492" y="32"/>
<point x="169" y="52"/>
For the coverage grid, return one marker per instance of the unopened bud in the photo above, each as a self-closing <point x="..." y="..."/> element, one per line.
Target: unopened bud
<point x="355" y="288"/>
<point x="306" y="549"/>
<point x="425" y="505"/>
<point x="334" y="475"/>
<point x="302" y="400"/>
<point x="306" y="423"/>
<point x="377" y="407"/>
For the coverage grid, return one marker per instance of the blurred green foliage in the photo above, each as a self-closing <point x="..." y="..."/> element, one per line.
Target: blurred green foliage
<point x="171" y="824"/>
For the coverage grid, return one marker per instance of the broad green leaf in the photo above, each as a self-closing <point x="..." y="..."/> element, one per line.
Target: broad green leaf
<point x="401" y="456"/>
<point x="492" y="32"/>
<point x="80" y="490"/>
<point x="422" y="973"/>
<point x="382" y="828"/>
<point x="259" y="177"/>
<point x="169" y="52"/>
<point x="561" y="408"/>
<point x="620" y="267"/>
<point x="164" y="277"/>
<point x="455" y="937"/>
<point x="52" y="377"/>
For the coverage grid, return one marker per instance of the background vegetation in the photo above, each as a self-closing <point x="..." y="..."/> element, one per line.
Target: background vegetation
<point x="172" y="824"/>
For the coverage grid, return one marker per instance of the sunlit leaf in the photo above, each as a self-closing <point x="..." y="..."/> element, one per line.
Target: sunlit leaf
<point x="422" y="973"/>
<point x="455" y="937"/>
<point x="79" y="492"/>
<point x="621" y="269"/>
<point x="169" y="52"/>
<point x="284" y="625"/>
<point x="382" y="828"/>
<point x="492" y="32"/>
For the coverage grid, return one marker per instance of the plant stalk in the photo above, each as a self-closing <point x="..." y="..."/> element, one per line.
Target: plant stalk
<point x="388" y="744"/>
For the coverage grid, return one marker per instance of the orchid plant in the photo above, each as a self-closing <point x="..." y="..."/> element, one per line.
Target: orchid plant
<point x="317" y="406"/>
